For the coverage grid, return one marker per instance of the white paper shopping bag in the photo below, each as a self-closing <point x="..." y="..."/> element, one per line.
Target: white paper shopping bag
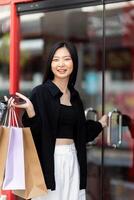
<point x="15" y="171"/>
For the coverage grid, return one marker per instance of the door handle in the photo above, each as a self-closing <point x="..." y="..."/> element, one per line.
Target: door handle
<point x="110" y="115"/>
<point x="91" y="110"/>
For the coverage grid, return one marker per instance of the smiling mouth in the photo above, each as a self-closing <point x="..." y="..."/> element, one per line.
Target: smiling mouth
<point x="62" y="70"/>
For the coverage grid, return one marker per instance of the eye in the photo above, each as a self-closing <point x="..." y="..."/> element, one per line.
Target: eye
<point x="68" y="58"/>
<point x="55" y="60"/>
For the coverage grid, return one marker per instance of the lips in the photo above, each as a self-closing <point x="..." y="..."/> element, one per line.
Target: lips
<point x="62" y="70"/>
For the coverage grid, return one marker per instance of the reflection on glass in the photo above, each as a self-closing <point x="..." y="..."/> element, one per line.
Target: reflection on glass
<point x="40" y="31"/>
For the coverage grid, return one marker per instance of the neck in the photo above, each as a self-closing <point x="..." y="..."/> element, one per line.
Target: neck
<point x="61" y="84"/>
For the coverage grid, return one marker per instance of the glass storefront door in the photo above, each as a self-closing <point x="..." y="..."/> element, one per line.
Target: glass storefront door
<point x="119" y="94"/>
<point x="110" y="158"/>
<point x="39" y="31"/>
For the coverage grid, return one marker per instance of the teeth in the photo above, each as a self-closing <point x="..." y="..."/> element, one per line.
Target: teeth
<point x="61" y="70"/>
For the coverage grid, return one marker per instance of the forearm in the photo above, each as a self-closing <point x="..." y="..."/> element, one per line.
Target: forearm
<point x="93" y="128"/>
<point x="30" y="111"/>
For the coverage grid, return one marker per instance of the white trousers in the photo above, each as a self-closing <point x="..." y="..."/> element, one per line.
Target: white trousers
<point x="66" y="176"/>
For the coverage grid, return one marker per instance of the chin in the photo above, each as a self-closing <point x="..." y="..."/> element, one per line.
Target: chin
<point x="63" y="75"/>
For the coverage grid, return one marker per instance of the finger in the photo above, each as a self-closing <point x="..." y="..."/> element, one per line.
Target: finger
<point x="9" y="101"/>
<point x="104" y="117"/>
<point x="21" y="96"/>
<point x="18" y="105"/>
<point x="5" y="98"/>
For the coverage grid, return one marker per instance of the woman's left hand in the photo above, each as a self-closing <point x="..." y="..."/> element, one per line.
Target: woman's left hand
<point x="103" y="120"/>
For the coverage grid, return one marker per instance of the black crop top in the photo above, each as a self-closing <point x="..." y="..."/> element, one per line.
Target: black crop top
<point x="66" y="122"/>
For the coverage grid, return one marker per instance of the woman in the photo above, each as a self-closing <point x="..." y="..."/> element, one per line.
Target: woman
<point x="56" y="117"/>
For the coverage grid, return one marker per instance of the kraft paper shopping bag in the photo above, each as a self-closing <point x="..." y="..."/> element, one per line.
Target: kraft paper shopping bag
<point x="4" y="139"/>
<point x="35" y="183"/>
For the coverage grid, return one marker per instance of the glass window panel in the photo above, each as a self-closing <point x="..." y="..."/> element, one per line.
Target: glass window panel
<point x="119" y="166"/>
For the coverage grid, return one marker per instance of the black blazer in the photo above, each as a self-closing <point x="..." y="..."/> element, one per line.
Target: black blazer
<point x="46" y="102"/>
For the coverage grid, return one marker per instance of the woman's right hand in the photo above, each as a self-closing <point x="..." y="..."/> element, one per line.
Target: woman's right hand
<point x="27" y="105"/>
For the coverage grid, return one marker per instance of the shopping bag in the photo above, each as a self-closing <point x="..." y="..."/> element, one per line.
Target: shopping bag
<point x="35" y="183"/>
<point x="14" y="171"/>
<point x="4" y="138"/>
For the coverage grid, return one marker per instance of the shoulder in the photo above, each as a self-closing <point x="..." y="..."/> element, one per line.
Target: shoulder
<point x="39" y="92"/>
<point x="39" y="88"/>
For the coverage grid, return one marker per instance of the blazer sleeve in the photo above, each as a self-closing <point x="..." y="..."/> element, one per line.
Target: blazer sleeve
<point x="93" y="128"/>
<point x="35" y="122"/>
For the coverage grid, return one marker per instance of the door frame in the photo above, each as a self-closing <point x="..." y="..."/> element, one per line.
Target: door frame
<point x="55" y="5"/>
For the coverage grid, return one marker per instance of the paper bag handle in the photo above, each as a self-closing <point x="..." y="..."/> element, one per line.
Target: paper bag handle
<point x="11" y="118"/>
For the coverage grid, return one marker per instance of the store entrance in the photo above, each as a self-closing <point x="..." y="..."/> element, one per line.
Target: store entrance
<point x="103" y="35"/>
<point x="104" y="40"/>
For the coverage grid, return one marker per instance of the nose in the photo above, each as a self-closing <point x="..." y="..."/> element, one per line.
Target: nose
<point x="61" y="63"/>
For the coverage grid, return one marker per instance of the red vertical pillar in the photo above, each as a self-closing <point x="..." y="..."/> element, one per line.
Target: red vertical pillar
<point x="14" y="50"/>
<point x="14" y="72"/>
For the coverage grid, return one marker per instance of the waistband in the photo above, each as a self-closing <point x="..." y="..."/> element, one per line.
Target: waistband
<point x="65" y="148"/>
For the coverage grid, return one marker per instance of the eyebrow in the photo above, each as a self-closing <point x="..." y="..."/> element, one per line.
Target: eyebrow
<point x="63" y="56"/>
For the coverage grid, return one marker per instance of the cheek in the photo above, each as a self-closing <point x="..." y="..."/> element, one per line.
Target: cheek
<point x="53" y="68"/>
<point x="69" y="64"/>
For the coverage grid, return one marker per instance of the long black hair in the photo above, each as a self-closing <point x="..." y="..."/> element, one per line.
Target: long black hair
<point x="73" y="52"/>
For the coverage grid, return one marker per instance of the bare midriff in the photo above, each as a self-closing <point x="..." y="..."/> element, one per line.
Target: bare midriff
<point x="64" y="141"/>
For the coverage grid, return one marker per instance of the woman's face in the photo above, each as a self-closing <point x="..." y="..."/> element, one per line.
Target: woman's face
<point x="62" y="64"/>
